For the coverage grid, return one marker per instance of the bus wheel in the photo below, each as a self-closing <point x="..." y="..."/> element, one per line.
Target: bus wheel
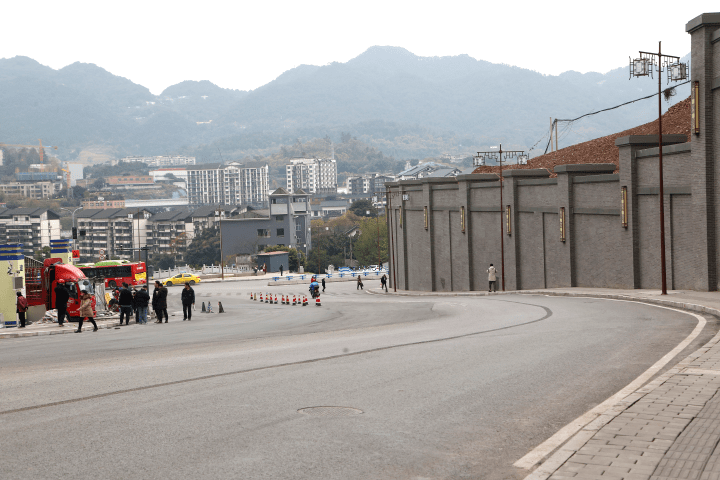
<point x="168" y="284"/>
<point x="192" y="282"/>
<point x="112" y="284"/>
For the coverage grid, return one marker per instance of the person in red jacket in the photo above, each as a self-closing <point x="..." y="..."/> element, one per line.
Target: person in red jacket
<point x="22" y="306"/>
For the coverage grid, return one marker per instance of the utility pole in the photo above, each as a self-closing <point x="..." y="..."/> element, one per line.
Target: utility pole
<point x="480" y="160"/>
<point x="552" y="128"/>
<point x="676" y="71"/>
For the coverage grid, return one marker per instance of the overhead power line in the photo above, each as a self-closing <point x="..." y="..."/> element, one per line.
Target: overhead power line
<point x="605" y="110"/>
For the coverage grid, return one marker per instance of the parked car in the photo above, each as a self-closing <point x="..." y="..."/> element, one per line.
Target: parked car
<point x="180" y="279"/>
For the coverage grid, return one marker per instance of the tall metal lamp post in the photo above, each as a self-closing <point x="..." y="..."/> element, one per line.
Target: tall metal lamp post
<point x="479" y="160"/>
<point x="644" y="66"/>
<point x="72" y="227"/>
<point x="219" y="213"/>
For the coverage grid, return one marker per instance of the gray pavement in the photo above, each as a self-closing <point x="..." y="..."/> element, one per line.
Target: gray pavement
<point x="447" y="387"/>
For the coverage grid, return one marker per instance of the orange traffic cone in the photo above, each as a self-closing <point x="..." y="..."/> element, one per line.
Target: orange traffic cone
<point x="282" y="299"/>
<point x="267" y="298"/>
<point x="261" y="298"/>
<point x="276" y="299"/>
<point x="317" y="301"/>
<point x="294" y="302"/>
<point x="305" y="302"/>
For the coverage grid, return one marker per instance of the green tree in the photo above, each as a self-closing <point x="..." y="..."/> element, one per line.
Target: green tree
<point x="362" y="207"/>
<point x="328" y="248"/>
<point x="365" y="247"/>
<point x="42" y="254"/>
<point x="296" y="258"/>
<point x="204" y="249"/>
<point x="162" y="261"/>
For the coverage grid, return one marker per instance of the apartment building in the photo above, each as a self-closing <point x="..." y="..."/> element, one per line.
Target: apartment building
<point x="159" y="161"/>
<point x="312" y="175"/>
<point x="226" y="184"/>
<point x="371" y="183"/>
<point x="31" y="227"/>
<point x="32" y="189"/>
<point x="286" y="222"/>
<point x="101" y="202"/>
<point x="109" y="230"/>
<point x="171" y="233"/>
<point x="130" y="180"/>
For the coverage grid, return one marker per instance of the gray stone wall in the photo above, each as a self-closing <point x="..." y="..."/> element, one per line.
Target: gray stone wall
<point x="598" y="251"/>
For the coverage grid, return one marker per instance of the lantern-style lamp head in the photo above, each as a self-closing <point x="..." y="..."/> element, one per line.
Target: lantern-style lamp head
<point x="640" y="67"/>
<point x="479" y="160"/>
<point x="522" y="159"/>
<point x="677" y="72"/>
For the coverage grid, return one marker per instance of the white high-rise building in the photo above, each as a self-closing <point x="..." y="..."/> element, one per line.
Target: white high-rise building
<point x="312" y="175"/>
<point x="230" y="184"/>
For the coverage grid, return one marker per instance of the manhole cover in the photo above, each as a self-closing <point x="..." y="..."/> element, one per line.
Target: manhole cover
<point x="330" y="411"/>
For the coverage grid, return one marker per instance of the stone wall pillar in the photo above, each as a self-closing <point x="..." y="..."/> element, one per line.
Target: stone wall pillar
<point x="705" y="69"/>
<point x="511" y="178"/>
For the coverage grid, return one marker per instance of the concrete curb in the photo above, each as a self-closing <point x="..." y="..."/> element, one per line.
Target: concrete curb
<point x="327" y="280"/>
<point x="86" y="327"/>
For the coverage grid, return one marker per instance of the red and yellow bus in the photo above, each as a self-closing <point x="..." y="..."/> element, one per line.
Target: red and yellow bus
<point x="116" y="272"/>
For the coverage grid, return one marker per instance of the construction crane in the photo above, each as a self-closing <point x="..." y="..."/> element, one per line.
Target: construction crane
<point x="39" y="149"/>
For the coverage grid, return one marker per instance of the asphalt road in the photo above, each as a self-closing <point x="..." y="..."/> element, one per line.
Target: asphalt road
<point x="448" y="387"/>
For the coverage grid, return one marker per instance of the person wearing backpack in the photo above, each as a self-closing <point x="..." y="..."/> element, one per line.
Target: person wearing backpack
<point x="22" y="306"/>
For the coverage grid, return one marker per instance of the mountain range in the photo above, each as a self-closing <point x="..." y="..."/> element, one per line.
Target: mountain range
<point x="404" y="105"/>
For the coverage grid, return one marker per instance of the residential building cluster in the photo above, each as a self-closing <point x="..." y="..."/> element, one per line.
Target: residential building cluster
<point x="158" y="161"/>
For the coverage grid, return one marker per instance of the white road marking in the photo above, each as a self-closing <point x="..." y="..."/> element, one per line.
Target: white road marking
<point x="536" y="455"/>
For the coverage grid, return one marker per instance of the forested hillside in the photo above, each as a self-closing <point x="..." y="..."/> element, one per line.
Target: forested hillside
<point x="402" y="105"/>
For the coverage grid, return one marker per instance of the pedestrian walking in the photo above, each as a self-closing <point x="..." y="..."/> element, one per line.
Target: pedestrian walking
<point x="160" y="302"/>
<point x="86" y="311"/>
<point x="281" y="269"/>
<point x="126" y="304"/>
<point x="264" y="268"/>
<point x="383" y="282"/>
<point x="62" y="295"/>
<point x="323" y="284"/>
<point x="492" y="278"/>
<point x="359" y="283"/>
<point x="188" y="300"/>
<point x="22" y="306"/>
<point x="142" y="298"/>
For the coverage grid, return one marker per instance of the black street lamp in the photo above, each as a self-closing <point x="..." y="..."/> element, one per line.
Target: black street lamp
<point x="479" y="160"/>
<point x="676" y="71"/>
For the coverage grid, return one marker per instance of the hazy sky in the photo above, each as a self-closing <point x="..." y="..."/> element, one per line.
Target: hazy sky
<point x="244" y="45"/>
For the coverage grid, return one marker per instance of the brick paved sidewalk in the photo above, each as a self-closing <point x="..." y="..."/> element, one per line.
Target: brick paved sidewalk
<point x="667" y="429"/>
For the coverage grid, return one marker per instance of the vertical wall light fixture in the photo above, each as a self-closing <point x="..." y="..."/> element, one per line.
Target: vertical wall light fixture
<point x="624" y="207"/>
<point x="425" y="210"/>
<point x="462" y="219"/>
<point x="562" y="224"/>
<point x="507" y="219"/>
<point x="695" y="108"/>
<point x="400" y="214"/>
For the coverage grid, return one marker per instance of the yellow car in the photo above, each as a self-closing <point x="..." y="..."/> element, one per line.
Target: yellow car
<point x="180" y="279"/>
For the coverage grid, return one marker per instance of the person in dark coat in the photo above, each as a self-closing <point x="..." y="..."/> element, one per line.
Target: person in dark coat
<point x="62" y="295"/>
<point x="22" y="307"/>
<point x="383" y="282"/>
<point x="142" y="298"/>
<point x="323" y="283"/>
<point x="160" y="302"/>
<point x="134" y="305"/>
<point x="188" y="300"/>
<point x="126" y="302"/>
<point x="281" y="269"/>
